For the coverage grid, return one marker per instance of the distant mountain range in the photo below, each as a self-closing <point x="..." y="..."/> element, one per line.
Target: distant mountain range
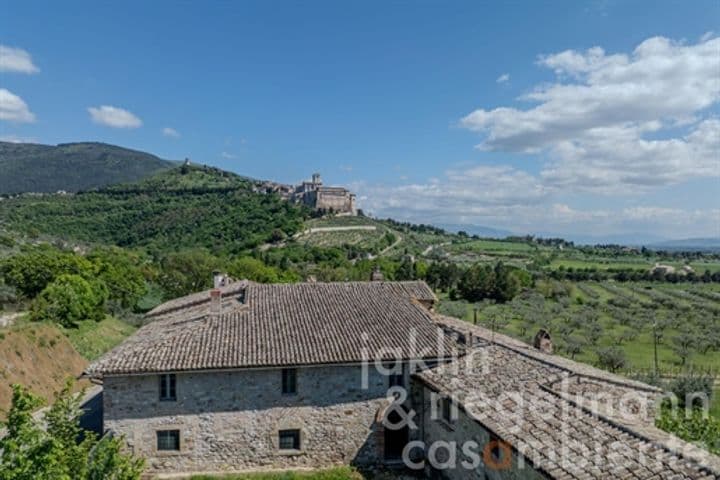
<point x="701" y="244"/>
<point x="28" y="167"/>
<point x="638" y="239"/>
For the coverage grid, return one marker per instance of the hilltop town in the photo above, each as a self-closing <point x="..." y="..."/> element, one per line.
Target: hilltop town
<point x="312" y="193"/>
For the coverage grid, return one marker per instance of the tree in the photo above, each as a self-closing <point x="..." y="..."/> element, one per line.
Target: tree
<point x="406" y="270"/>
<point x="35" y="268"/>
<point x="477" y="283"/>
<point x="70" y="299"/>
<point x="187" y="271"/>
<point x="62" y="451"/>
<point x="573" y="345"/>
<point x="119" y="270"/>
<point x="249" y="268"/>
<point x="611" y="358"/>
<point x="507" y="283"/>
<point x="684" y="344"/>
<point x="594" y="332"/>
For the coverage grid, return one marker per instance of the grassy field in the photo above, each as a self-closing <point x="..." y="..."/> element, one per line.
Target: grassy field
<point x="91" y="339"/>
<point x="621" y="314"/>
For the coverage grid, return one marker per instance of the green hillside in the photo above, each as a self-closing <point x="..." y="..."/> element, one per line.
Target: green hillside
<point x="185" y="207"/>
<point x="72" y="167"/>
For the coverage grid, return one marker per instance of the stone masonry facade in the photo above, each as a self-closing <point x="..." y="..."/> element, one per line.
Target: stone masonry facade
<point x="229" y="420"/>
<point x="464" y="450"/>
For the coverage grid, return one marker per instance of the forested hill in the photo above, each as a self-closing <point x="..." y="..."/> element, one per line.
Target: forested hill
<point x="72" y="167"/>
<point x="185" y="207"/>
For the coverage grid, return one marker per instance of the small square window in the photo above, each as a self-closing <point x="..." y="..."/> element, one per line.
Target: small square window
<point x="167" y="387"/>
<point x="168" y="440"/>
<point x="289" y="440"/>
<point x="289" y="381"/>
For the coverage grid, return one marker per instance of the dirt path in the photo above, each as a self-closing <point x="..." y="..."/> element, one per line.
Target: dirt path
<point x="386" y="249"/>
<point x="348" y="228"/>
<point x="431" y="247"/>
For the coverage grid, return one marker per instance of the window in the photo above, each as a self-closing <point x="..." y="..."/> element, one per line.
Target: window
<point x="397" y="379"/>
<point x="168" y="440"/>
<point x="495" y="446"/>
<point x="167" y="388"/>
<point x="289" y="381"/>
<point x="446" y="409"/>
<point x="289" y="440"/>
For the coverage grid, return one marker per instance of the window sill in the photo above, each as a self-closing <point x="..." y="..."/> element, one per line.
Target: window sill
<point x="290" y="453"/>
<point x="168" y="453"/>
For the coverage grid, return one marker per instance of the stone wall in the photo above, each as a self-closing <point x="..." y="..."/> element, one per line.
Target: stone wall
<point x="342" y="201"/>
<point x="452" y="448"/>
<point x="230" y="420"/>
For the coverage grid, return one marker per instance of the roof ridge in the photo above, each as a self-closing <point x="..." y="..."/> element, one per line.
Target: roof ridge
<point x="712" y="467"/>
<point x="566" y="364"/>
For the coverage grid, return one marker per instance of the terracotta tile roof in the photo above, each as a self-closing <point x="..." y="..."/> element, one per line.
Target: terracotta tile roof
<point x="281" y="324"/>
<point x="538" y="403"/>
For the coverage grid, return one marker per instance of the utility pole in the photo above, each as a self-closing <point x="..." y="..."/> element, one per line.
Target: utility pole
<point x="475" y="315"/>
<point x="655" y="344"/>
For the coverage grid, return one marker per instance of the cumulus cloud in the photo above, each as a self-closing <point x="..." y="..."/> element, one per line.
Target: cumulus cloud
<point x="114" y="117"/>
<point x="612" y="121"/>
<point x="16" y="60"/>
<point x="503" y="78"/>
<point x="170" y="132"/>
<point x="14" y="108"/>
<point x="462" y="194"/>
<point x="518" y="202"/>
<point x="609" y="124"/>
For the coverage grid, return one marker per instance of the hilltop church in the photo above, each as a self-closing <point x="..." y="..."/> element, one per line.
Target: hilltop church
<point x="314" y="194"/>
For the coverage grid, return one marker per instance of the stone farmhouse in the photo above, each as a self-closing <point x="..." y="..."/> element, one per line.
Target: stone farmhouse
<point x="249" y="376"/>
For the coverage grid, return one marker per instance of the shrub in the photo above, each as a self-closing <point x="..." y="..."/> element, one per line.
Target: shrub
<point x="690" y="386"/>
<point x="69" y="299"/>
<point x="611" y="358"/>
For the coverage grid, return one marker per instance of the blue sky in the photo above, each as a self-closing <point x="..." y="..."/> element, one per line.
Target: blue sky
<point x="438" y="112"/>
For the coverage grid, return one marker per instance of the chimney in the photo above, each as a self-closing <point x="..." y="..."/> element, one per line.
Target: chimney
<point x="215" y="301"/>
<point x="376" y="275"/>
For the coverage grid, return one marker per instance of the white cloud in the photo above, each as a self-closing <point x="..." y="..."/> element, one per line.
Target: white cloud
<point x="14" y="108"/>
<point x="12" y="138"/>
<point x="503" y="78"/>
<point x="228" y="155"/>
<point x="16" y="60"/>
<point x="594" y="122"/>
<point x="518" y="202"/>
<point x="469" y="193"/>
<point x="170" y="132"/>
<point x="114" y="117"/>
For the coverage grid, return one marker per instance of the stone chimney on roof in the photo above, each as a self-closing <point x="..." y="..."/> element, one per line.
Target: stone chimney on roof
<point x="377" y="275"/>
<point x="543" y="342"/>
<point x="215" y="301"/>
